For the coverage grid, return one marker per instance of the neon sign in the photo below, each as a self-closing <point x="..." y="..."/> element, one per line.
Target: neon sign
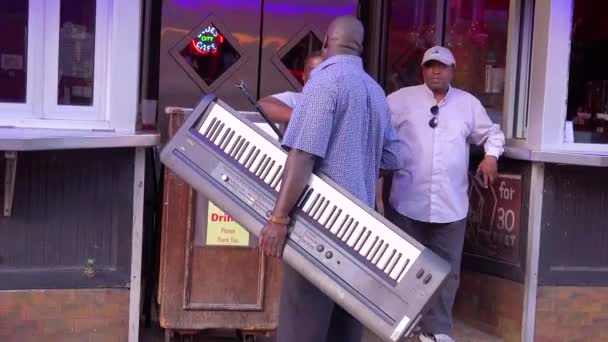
<point x="208" y="41"/>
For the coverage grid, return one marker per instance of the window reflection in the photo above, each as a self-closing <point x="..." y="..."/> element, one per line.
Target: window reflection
<point x="76" y="52"/>
<point x="411" y="31"/>
<point x="295" y="59"/>
<point x="476" y="33"/>
<point x="588" y="82"/>
<point x="13" y="50"/>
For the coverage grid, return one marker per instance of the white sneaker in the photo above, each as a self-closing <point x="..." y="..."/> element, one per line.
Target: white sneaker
<point x="435" y="338"/>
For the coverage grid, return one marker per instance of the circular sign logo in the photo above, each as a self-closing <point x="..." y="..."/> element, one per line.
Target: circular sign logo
<point x="208" y="41"/>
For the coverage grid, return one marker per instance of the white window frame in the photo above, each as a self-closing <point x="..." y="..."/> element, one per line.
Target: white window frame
<point x="519" y="45"/>
<point x="51" y="66"/>
<point x="549" y="79"/>
<point x="117" y="67"/>
<point x="33" y="66"/>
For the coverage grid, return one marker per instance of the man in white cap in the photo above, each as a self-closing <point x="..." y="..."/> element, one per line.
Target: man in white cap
<point x="429" y="194"/>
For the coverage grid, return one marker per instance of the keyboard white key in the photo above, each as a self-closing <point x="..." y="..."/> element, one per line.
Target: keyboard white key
<point x="367" y="246"/>
<point x="386" y="257"/>
<point x="334" y="219"/>
<point x="355" y="236"/>
<point x="328" y="214"/>
<point x="341" y="222"/>
<point x="399" y="267"/>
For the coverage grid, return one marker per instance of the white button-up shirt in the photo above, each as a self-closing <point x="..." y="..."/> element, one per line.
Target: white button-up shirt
<point x="432" y="185"/>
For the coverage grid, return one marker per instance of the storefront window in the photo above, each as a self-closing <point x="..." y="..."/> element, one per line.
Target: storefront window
<point x="295" y="59"/>
<point x="60" y="66"/>
<point x="587" y="116"/>
<point x="412" y="29"/>
<point x="76" y="52"/>
<point x="476" y="32"/>
<point x="13" y="51"/>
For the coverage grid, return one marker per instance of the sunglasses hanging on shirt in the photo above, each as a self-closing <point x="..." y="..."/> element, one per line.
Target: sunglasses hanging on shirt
<point x="435" y="119"/>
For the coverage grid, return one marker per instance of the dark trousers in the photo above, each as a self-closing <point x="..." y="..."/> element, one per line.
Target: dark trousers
<point x="308" y="315"/>
<point x="446" y="240"/>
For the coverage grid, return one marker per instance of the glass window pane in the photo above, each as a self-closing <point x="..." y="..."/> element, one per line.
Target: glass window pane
<point x="411" y="30"/>
<point x="76" y="52"/>
<point x="295" y="58"/>
<point x="13" y="50"/>
<point x="588" y="82"/>
<point x="476" y="33"/>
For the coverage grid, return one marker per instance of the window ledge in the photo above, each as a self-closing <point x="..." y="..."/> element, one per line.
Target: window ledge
<point x="597" y="159"/>
<point x="38" y="139"/>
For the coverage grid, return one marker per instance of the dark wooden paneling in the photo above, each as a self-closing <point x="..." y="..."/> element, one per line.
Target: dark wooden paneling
<point x="70" y="208"/>
<point x="574" y="236"/>
<point x="487" y="264"/>
<point x="210" y="287"/>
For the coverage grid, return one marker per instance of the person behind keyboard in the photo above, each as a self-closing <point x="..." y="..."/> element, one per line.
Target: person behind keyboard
<point x="341" y="127"/>
<point x="280" y="106"/>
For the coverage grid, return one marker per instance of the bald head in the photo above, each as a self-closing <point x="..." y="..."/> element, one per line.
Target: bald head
<point x="344" y="36"/>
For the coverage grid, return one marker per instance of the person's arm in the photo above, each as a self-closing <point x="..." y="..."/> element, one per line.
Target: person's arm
<point x="389" y="163"/>
<point x="307" y="139"/>
<point x="298" y="169"/>
<point x="489" y="134"/>
<point x="379" y="195"/>
<point x="276" y="110"/>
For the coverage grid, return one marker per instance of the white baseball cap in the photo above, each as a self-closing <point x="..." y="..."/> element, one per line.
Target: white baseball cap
<point x="440" y="54"/>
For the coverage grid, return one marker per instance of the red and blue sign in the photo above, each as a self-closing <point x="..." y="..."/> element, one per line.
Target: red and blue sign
<point x="208" y="41"/>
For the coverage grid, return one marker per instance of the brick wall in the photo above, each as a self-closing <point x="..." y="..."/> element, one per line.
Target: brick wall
<point x="571" y="314"/>
<point x="64" y="315"/>
<point x="491" y="304"/>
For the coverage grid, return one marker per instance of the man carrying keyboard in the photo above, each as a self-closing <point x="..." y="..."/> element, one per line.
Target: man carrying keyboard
<point x="428" y="200"/>
<point x="340" y="127"/>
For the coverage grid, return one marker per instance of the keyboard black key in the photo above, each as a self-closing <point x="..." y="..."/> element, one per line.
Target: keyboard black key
<point x="211" y="125"/>
<point x="313" y="204"/>
<point x="331" y="215"/>
<point x="242" y="151"/>
<point x="276" y="176"/>
<point x="321" y="210"/>
<point x="217" y="132"/>
<point x="350" y="232"/>
<point x="224" y="144"/>
<point x="235" y="148"/>
<point x="223" y="138"/>
<point x="269" y="168"/>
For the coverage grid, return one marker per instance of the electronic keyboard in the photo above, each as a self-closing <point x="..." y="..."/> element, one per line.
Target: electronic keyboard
<point x="363" y="262"/>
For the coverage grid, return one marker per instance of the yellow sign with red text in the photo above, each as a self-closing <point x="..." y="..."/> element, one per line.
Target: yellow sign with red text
<point x="222" y="230"/>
